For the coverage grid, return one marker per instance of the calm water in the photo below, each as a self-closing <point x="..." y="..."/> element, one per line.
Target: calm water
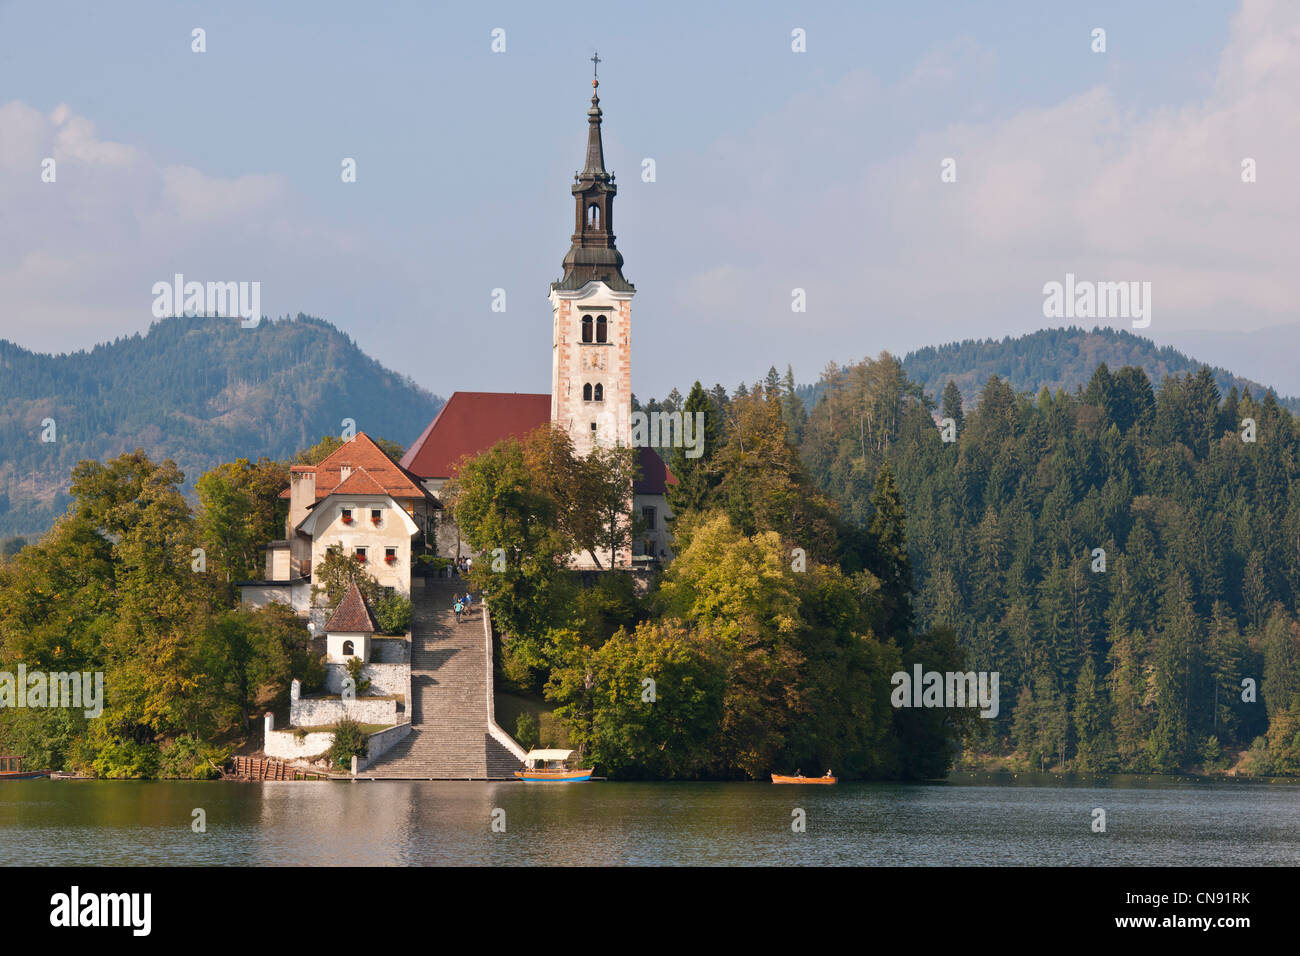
<point x="969" y="820"/>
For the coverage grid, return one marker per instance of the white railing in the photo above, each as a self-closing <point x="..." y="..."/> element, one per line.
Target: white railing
<point x="378" y="744"/>
<point x="494" y="729"/>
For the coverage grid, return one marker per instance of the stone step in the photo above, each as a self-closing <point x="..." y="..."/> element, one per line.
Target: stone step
<point x="449" y="714"/>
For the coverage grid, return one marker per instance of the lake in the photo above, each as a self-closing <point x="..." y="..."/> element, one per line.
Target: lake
<point x="970" y="819"/>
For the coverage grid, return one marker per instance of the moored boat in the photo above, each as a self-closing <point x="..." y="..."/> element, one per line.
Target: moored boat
<point x="11" y="768"/>
<point x="800" y="778"/>
<point x="542" y="766"/>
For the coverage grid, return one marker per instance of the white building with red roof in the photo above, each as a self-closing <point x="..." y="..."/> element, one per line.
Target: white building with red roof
<point x="357" y="500"/>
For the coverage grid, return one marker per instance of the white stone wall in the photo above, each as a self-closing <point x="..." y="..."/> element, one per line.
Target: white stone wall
<point x="384" y="678"/>
<point x="380" y="743"/>
<point x="296" y="594"/>
<point x="321" y="712"/>
<point x="390" y="650"/>
<point x="301" y="596"/>
<point x="285" y="745"/>
<point x="260" y="595"/>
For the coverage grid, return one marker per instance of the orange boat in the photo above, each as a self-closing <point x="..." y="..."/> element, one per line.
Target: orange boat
<point x="548" y="766"/>
<point x="778" y="778"/>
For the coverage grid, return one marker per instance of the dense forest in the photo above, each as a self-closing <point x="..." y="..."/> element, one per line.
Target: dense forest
<point x="1127" y="557"/>
<point x="199" y="391"/>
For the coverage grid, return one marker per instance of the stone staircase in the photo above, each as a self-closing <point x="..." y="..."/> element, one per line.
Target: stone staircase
<point x="449" y="737"/>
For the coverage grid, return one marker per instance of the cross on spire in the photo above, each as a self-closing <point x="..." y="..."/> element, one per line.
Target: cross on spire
<point x="595" y="68"/>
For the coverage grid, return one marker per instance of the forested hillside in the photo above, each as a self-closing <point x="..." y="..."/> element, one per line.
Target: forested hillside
<point x="197" y="390"/>
<point x="1123" y="555"/>
<point x="1139" y="666"/>
<point x="1055" y="358"/>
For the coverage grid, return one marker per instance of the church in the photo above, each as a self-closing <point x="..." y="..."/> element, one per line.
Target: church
<point x="591" y="375"/>
<point x="360" y="501"/>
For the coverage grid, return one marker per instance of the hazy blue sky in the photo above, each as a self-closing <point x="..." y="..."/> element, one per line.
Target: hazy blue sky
<point x="775" y="170"/>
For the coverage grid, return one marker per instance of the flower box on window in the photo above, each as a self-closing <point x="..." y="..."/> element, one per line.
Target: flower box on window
<point x="390" y="559"/>
<point x="361" y="557"/>
<point x="347" y="515"/>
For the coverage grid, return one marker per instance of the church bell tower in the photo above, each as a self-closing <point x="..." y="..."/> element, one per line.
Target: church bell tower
<point x="591" y="367"/>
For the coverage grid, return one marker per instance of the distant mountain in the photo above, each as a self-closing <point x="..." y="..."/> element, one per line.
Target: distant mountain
<point x="1265" y="355"/>
<point x="198" y="390"/>
<point x="1055" y="358"/>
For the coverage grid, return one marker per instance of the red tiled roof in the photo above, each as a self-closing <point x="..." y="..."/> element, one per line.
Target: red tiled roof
<point x="470" y="423"/>
<point x="655" y="475"/>
<point x="362" y="454"/>
<point x="352" y="616"/>
<point x="359" y="482"/>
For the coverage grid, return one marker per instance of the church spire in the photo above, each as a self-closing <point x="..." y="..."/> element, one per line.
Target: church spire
<point x="593" y="255"/>
<point x="595" y="167"/>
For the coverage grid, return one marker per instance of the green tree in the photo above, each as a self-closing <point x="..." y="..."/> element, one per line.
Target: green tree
<point x="1096" y="750"/>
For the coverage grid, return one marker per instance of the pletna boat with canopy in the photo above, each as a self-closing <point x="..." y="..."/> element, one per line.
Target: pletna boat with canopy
<point x="551" y="765"/>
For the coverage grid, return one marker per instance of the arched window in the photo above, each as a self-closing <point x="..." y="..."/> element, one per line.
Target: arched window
<point x="602" y="330"/>
<point x="347" y="649"/>
<point x="586" y="392"/>
<point x="600" y="393"/>
<point x="593" y="216"/>
<point x="586" y="327"/>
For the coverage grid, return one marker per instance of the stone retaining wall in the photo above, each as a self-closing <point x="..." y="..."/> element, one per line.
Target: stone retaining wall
<point x="390" y="650"/>
<point x="319" y="712"/>
<point x="384" y="678"/>
<point x="285" y="745"/>
<point x="379" y="744"/>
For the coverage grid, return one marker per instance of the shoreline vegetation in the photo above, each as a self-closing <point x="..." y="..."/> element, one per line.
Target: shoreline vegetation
<point x="818" y="552"/>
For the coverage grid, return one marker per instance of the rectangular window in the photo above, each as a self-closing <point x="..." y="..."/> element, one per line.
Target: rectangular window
<point x="347" y="515"/>
<point x="649" y="515"/>
<point x="375" y="515"/>
<point x="361" y="555"/>
<point x="390" y="555"/>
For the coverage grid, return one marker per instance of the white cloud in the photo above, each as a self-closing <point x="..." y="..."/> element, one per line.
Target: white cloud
<point x="79" y="256"/>
<point x="196" y="198"/>
<point x="893" y="257"/>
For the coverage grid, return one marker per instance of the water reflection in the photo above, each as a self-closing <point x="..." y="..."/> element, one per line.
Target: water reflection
<point x="968" y="819"/>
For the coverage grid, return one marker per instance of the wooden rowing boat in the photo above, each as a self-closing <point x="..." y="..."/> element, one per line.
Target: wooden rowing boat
<point x="778" y="778"/>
